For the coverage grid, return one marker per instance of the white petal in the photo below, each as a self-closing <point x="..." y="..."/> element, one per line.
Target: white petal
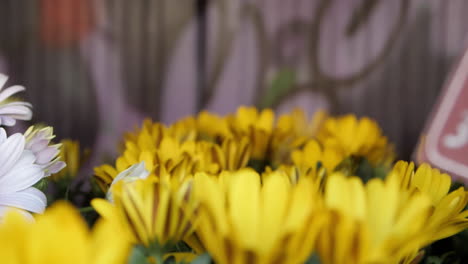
<point x="15" y="110"/>
<point x="46" y="155"/>
<point x="30" y="199"/>
<point x="3" y="135"/>
<point x="7" y="121"/>
<point x="55" y="167"/>
<point x="3" y="80"/>
<point x="10" y="151"/>
<point x="37" y="144"/>
<point x="10" y="91"/>
<point x="25" y="117"/>
<point x="135" y="172"/>
<point x="27" y="158"/>
<point x="21" y="103"/>
<point x="20" y="178"/>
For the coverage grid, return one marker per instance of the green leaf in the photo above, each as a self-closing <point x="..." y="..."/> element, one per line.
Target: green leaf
<point x="42" y="184"/>
<point x="202" y="259"/>
<point x="361" y="167"/>
<point x="137" y="256"/>
<point x="365" y="170"/>
<point x="381" y="172"/>
<point x="86" y="209"/>
<point x="181" y="246"/>
<point x="349" y="165"/>
<point x="281" y="83"/>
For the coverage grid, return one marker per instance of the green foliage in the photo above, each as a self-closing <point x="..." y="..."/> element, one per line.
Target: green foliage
<point x="42" y="184"/>
<point x="138" y="256"/>
<point x="361" y="167"/>
<point x="163" y="254"/>
<point x="314" y="259"/>
<point x="283" y="81"/>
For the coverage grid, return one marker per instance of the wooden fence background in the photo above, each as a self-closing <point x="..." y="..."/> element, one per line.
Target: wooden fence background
<point x="95" y="68"/>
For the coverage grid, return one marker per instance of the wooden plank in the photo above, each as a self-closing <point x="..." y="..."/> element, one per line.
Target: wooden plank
<point x="140" y="60"/>
<point x="386" y="70"/>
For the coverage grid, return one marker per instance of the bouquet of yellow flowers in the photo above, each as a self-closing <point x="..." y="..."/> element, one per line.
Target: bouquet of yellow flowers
<point x="249" y="187"/>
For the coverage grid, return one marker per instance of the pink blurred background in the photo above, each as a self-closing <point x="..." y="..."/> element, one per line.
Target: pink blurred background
<point x="96" y="68"/>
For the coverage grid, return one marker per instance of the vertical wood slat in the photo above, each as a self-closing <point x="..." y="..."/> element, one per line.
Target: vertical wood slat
<point x="200" y="51"/>
<point x="179" y="72"/>
<point x="154" y="42"/>
<point x="64" y="74"/>
<point x="405" y="84"/>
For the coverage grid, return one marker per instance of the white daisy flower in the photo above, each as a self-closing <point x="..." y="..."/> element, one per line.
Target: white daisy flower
<point x="18" y="173"/>
<point x="12" y="109"/>
<point x="47" y="156"/>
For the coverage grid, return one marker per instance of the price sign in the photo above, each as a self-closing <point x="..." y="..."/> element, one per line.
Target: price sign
<point x="445" y="143"/>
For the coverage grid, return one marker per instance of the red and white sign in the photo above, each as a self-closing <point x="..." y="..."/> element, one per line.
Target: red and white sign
<point x="445" y="144"/>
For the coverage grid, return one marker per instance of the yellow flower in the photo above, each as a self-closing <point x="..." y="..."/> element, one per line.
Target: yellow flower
<point x="184" y="130"/>
<point x="168" y="153"/>
<point x="296" y="123"/>
<point x="211" y="127"/>
<point x="292" y="131"/>
<point x="249" y="117"/>
<point x="148" y="136"/>
<point x="153" y="143"/>
<point x="211" y="143"/>
<point x="154" y="211"/>
<point x="242" y="221"/>
<point x="373" y="223"/>
<point x="172" y="155"/>
<point x="316" y="177"/>
<point x="313" y="153"/>
<point x="257" y="126"/>
<point x="231" y="155"/>
<point x="448" y="216"/>
<point x="349" y="136"/>
<point x="60" y="236"/>
<point x="104" y="175"/>
<point x="70" y="154"/>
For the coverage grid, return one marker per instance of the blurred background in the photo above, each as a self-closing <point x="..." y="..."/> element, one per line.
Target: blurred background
<point x="96" y="68"/>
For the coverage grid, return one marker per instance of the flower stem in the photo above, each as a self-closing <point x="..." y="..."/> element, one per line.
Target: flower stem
<point x="86" y="209"/>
